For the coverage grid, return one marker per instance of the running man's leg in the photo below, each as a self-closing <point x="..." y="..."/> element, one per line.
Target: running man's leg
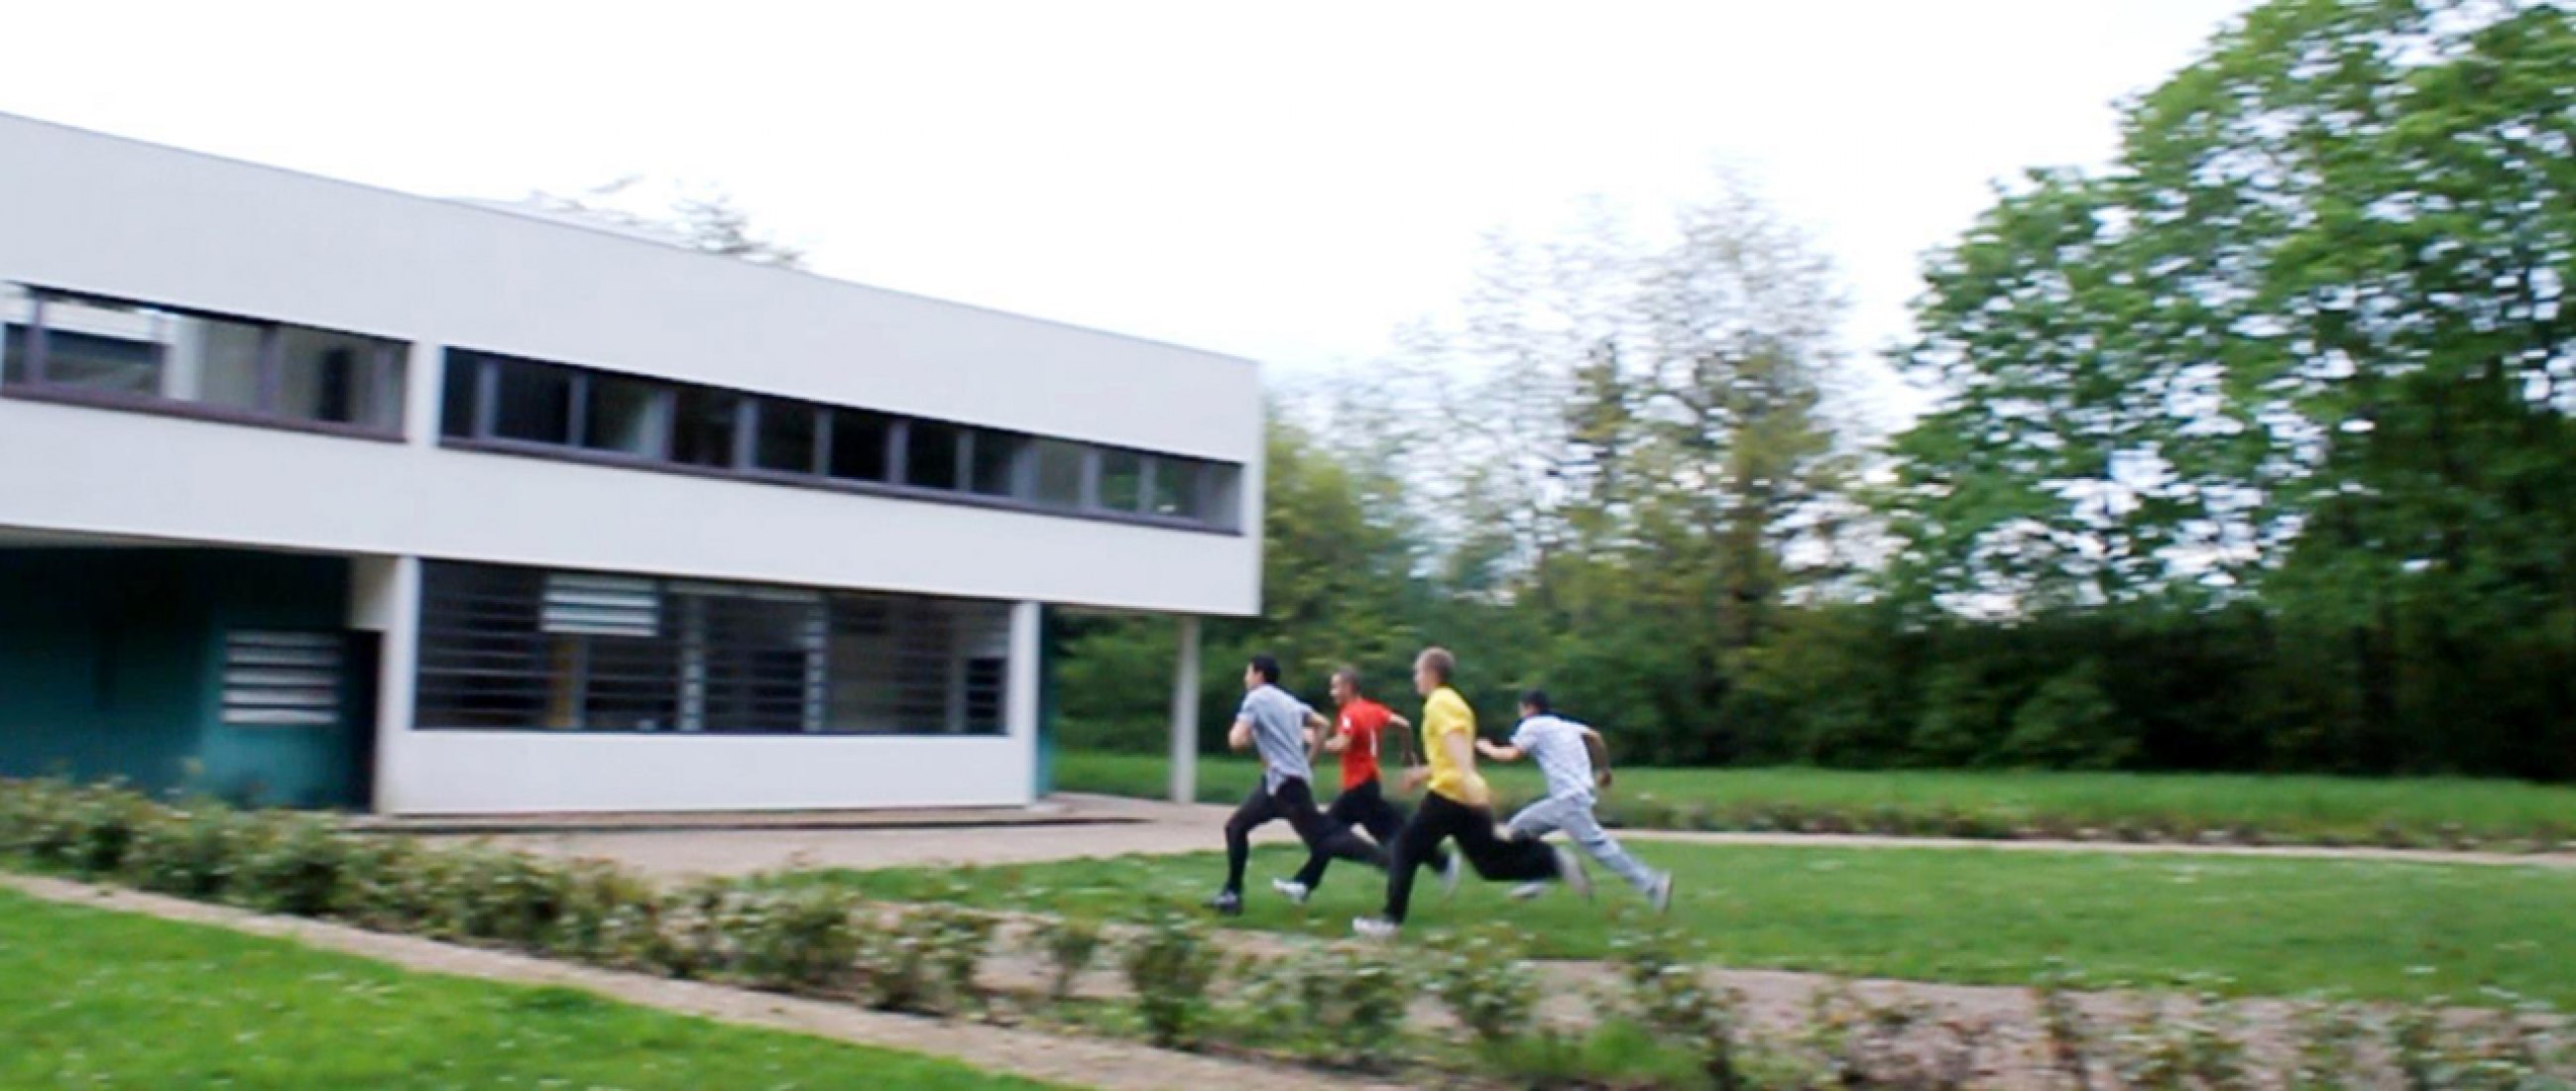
<point x="1432" y="824"/>
<point x="1498" y="859"/>
<point x="1256" y="809"/>
<point x="1586" y="831"/>
<point x="1384" y="818"/>
<point x="1350" y="810"/>
<point x="1323" y="836"/>
<point x="1539" y="819"/>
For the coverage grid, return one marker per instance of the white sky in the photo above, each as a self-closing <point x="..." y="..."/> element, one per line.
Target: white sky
<point x="1283" y="181"/>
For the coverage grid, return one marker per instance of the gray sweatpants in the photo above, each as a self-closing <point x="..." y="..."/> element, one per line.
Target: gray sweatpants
<point x="1573" y="814"/>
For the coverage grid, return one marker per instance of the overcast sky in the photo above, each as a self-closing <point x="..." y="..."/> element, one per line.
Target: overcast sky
<point x="1283" y="181"/>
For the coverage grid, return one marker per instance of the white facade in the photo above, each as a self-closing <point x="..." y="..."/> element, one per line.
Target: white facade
<point x="98" y="215"/>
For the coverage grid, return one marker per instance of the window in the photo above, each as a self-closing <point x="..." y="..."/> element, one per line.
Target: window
<point x="460" y="373"/>
<point x="183" y="361"/>
<point x="628" y="416"/>
<point x="1175" y="482"/>
<point x="775" y="440"/>
<point x="708" y="422"/>
<point x="996" y="465"/>
<point x="531" y="402"/>
<point x="786" y="439"/>
<point x="859" y="446"/>
<point x="281" y="679"/>
<point x="1122" y="480"/>
<point x="930" y="455"/>
<point x="1058" y="477"/>
<point x="340" y="378"/>
<point x="505" y="648"/>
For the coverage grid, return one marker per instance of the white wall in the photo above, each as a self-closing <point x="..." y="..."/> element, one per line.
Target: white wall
<point x="89" y="212"/>
<point x="517" y="772"/>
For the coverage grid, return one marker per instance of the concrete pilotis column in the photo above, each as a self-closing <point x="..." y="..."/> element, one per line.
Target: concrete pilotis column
<point x="1185" y="714"/>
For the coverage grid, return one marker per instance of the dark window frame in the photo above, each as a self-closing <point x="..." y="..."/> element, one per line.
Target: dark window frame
<point x="818" y="474"/>
<point x="487" y="654"/>
<point x="388" y="364"/>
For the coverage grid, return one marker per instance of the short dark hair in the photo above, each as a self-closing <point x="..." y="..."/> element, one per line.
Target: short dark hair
<point x="1536" y="701"/>
<point x="1349" y="675"/>
<point x="1267" y="667"/>
<point x="1443" y="665"/>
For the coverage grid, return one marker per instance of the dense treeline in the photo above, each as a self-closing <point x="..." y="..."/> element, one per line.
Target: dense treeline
<point x="2252" y="451"/>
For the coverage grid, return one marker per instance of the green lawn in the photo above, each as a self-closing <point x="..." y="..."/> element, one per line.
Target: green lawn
<point x="2270" y="926"/>
<point x="2306" y="809"/>
<point x="91" y="998"/>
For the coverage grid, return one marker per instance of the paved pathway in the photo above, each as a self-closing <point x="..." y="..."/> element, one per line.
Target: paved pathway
<point x="1085" y="1062"/>
<point x="1120" y="827"/>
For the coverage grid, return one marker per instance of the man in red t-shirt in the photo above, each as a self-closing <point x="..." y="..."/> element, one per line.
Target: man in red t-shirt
<point x="1359" y="730"/>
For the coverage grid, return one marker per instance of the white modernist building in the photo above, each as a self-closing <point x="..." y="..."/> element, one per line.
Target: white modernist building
<point x="325" y="494"/>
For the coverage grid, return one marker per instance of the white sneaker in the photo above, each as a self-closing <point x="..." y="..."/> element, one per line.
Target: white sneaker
<point x="1570" y="870"/>
<point x="1374" y="927"/>
<point x="1662" y="895"/>
<point x="1449" y="877"/>
<point x="1294" y="891"/>
<point x="1527" y="891"/>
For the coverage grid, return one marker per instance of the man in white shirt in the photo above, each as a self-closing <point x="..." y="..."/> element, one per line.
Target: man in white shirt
<point x="1569" y="753"/>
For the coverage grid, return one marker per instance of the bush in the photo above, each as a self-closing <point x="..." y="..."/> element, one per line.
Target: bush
<point x="190" y="853"/>
<point x="1669" y="995"/>
<point x="1169" y="965"/>
<point x="957" y="941"/>
<point x="1486" y="981"/>
<point x="2068" y="723"/>
<point x="1069" y="946"/>
<point x="895" y="967"/>
<point x="92" y="828"/>
<point x="793" y="938"/>
<point x="508" y="897"/>
<point x="1341" y="1004"/>
<point x="392" y="885"/>
<point x="295" y="864"/>
<point x="603" y="905"/>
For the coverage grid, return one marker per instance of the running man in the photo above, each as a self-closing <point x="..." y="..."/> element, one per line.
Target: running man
<point x="1458" y="806"/>
<point x="1362" y="802"/>
<point x="1284" y="730"/>
<point x="1570" y="754"/>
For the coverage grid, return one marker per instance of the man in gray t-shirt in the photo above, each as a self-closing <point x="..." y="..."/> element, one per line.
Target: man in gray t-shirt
<point x="1566" y="753"/>
<point x="1285" y="732"/>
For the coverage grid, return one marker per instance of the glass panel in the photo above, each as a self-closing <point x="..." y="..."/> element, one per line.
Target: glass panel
<point x="1059" y="473"/>
<point x="706" y="428"/>
<point x="1122" y="480"/>
<point x="997" y="462"/>
<point x="17" y="313"/>
<point x="145" y="351"/>
<point x="1175" y="479"/>
<point x="858" y="445"/>
<point x="629" y="416"/>
<point x="532" y="402"/>
<point x="786" y="440"/>
<point x="930" y="456"/>
<point x="458" y="375"/>
<point x="339" y="378"/>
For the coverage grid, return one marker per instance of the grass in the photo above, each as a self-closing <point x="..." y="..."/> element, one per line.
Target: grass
<point x="95" y="998"/>
<point x="2309" y="809"/>
<point x="2248" y="926"/>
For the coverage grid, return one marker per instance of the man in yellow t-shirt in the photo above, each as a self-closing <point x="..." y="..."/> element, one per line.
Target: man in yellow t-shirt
<point x="1459" y="806"/>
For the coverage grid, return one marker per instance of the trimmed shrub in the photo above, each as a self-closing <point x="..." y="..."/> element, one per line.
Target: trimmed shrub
<point x="1069" y="946"/>
<point x="190" y="853"/>
<point x="794" y="938"/>
<point x="1170" y="965"/>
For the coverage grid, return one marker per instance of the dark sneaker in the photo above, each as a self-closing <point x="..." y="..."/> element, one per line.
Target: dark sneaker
<point x="1228" y="904"/>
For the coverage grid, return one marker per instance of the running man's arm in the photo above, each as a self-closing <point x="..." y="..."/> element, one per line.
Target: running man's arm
<point x="1600" y="748"/>
<point x="1498" y="751"/>
<point x="1316" y="725"/>
<point x="1240" y="736"/>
